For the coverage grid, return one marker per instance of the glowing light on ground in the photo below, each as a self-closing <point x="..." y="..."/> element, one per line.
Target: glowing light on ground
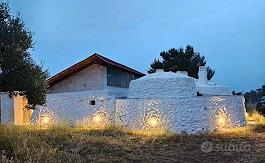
<point x="153" y="122"/>
<point x="97" y="121"/>
<point x="100" y="118"/>
<point x="222" y="120"/>
<point x="150" y="117"/>
<point x="45" y="120"/>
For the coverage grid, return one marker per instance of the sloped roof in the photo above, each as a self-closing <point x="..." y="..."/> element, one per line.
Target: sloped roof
<point x="93" y="59"/>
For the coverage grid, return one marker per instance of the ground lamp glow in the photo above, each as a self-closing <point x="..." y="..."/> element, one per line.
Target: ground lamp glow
<point x="222" y="120"/>
<point x="45" y="120"/>
<point x="98" y="120"/>
<point x="153" y="122"/>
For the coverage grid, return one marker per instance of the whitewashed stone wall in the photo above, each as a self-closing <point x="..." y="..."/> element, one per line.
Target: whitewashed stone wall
<point x="182" y="115"/>
<point x="117" y="92"/>
<point x="210" y="88"/>
<point x="171" y="96"/>
<point x="7" y="111"/>
<point x="13" y="110"/>
<point x="92" y="78"/>
<point x="162" y="85"/>
<point x="75" y="106"/>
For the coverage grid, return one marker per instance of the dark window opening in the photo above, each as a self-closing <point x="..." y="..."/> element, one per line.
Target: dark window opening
<point x="92" y="102"/>
<point x="118" y="78"/>
<point x="199" y="94"/>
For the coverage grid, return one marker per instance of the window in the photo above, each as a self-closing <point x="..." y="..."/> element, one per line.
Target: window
<point x="92" y="102"/>
<point x="118" y="78"/>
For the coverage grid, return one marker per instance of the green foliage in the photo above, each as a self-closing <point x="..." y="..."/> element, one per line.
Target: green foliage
<point x="261" y="90"/>
<point x="19" y="71"/>
<point x="181" y="60"/>
<point x="237" y="93"/>
<point x="254" y="96"/>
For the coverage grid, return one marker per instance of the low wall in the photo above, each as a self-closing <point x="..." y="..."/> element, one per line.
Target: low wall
<point x="7" y="111"/>
<point x="76" y="106"/>
<point x="183" y="115"/>
<point x="13" y="110"/>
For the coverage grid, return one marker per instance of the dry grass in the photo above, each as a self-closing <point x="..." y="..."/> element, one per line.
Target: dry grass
<point x="116" y="144"/>
<point x="256" y="122"/>
<point x="255" y="118"/>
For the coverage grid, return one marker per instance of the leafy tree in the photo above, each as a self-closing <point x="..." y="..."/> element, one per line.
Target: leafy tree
<point x="18" y="71"/>
<point x="181" y="60"/>
<point x="254" y="96"/>
<point x="237" y="93"/>
<point x="261" y="90"/>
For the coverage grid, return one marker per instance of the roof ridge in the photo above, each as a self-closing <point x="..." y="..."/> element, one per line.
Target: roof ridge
<point x="79" y="66"/>
<point x="105" y="58"/>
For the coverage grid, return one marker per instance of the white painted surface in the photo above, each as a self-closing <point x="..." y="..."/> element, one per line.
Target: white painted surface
<point x="7" y="111"/>
<point x="185" y="73"/>
<point x="89" y="80"/>
<point x="171" y="95"/>
<point x="92" y="78"/>
<point x="117" y="92"/>
<point x="179" y="114"/>
<point x="188" y="115"/>
<point x="75" y="106"/>
<point x="206" y="87"/>
<point x="161" y="85"/>
<point x="213" y="89"/>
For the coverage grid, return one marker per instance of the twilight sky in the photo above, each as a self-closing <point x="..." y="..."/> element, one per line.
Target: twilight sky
<point x="230" y="34"/>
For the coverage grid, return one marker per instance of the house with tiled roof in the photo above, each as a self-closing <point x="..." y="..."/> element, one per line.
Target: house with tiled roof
<point x="94" y="73"/>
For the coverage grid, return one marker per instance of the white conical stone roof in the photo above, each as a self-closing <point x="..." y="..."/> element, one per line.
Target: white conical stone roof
<point x="163" y="85"/>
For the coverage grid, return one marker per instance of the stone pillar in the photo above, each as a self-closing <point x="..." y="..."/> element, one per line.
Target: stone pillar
<point x="14" y="110"/>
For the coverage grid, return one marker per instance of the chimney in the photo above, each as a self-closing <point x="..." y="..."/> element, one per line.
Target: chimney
<point x="203" y="75"/>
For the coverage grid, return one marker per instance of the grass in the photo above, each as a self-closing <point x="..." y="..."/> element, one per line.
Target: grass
<point x="116" y="144"/>
<point x="255" y="117"/>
